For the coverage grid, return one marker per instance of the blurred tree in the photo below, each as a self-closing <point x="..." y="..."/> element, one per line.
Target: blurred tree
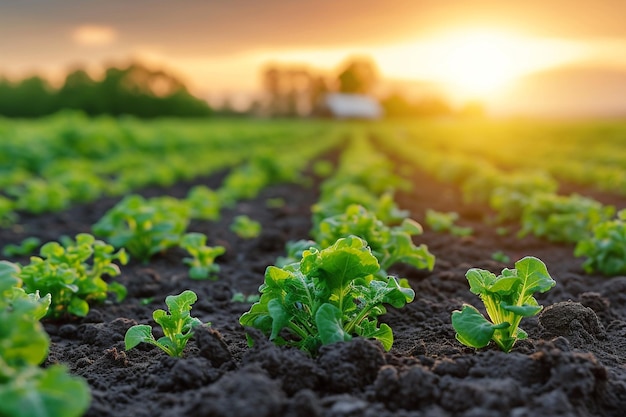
<point x="359" y="76"/>
<point x="135" y="90"/>
<point x="31" y="97"/>
<point x="288" y="90"/>
<point x="397" y="105"/>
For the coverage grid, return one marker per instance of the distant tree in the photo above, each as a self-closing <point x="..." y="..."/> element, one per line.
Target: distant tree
<point x="397" y="105"/>
<point x="80" y="92"/>
<point x="30" y="97"/>
<point x="288" y="90"/>
<point x="134" y="90"/>
<point x="358" y="76"/>
<point x="318" y="89"/>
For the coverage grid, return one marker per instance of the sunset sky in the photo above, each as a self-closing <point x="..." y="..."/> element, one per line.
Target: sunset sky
<point x="505" y="53"/>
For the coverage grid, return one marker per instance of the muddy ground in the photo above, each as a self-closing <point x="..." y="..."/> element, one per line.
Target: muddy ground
<point x="573" y="364"/>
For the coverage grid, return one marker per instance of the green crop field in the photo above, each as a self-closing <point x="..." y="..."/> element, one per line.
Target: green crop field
<point x="295" y="238"/>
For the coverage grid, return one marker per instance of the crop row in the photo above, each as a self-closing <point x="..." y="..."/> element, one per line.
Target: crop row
<point x="518" y="194"/>
<point x="49" y="164"/>
<point x="328" y="289"/>
<point x="69" y="275"/>
<point x="587" y="153"/>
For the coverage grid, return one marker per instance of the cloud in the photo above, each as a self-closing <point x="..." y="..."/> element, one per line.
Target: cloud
<point x="94" y="35"/>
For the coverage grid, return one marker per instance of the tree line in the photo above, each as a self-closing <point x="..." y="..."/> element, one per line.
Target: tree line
<point x="293" y="91"/>
<point x="134" y="90"/>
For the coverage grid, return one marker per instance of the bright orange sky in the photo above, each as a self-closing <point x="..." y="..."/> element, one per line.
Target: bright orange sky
<point x="501" y="52"/>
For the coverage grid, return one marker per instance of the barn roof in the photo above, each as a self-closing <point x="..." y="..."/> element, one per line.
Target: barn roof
<point x="358" y="106"/>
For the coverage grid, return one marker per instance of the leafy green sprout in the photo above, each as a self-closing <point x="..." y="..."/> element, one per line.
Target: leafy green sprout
<point x="500" y="257"/>
<point x="240" y="297"/>
<point x="508" y="298"/>
<point x="329" y="296"/>
<point x="605" y="248"/>
<point x="246" y="228"/>
<point x="26" y="247"/>
<point x="202" y="261"/>
<point x="177" y="325"/>
<point x="445" y="222"/>
<point x="72" y="273"/>
<point x="27" y="389"/>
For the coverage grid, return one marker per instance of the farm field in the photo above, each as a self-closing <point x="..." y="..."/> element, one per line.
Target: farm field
<point x="484" y="195"/>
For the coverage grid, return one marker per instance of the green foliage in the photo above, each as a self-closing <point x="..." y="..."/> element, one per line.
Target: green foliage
<point x="7" y="213"/>
<point x="202" y="262"/>
<point x="178" y="326"/>
<point x="349" y="194"/>
<point x="240" y="297"/>
<point x="295" y="249"/>
<point x="144" y="227"/>
<point x="444" y="222"/>
<point x="500" y="257"/>
<point x="38" y="196"/>
<point x="563" y="218"/>
<point x="389" y="244"/>
<point x="134" y="90"/>
<point x="331" y="295"/>
<point x="605" y="249"/>
<point x="247" y="180"/>
<point x="246" y="228"/>
<point x="26" y="390"/>
<point x="507" y="298"/>
<point x="204" y="203"/>
<point x="26" y="247"/>
<point x="72" y="274"/>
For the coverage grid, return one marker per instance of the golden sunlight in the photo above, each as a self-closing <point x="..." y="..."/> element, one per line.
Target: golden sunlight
<point x="478" y="63"/>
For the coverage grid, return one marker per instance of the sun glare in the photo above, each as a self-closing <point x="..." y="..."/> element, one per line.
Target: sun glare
<point x="480" y="63"/>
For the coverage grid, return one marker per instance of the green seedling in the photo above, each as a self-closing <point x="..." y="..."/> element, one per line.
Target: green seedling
<point x="445" y="222"/>
<point x="389" y="244"/>
<point x="508" y="298"/>
<point x="144" y="227"/>
<point x="240" y="297"/>
<point x="246" y="228"/>
<point x="329" y="296"/>
<point x="178" y="326"/>
<point x="605" y="249"/>
<point x="72" y="273"/>
<point x="27" y="389"/>
<point x="202" y="262"/>
<point x="203" y="203"/>
<point x="500" y="257"/>
<point x="26" y="247"/>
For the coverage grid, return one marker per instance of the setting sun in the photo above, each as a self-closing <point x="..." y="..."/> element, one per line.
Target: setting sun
<point x="478" y="63"/>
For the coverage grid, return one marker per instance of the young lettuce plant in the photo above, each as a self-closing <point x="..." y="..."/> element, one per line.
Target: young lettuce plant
<point x="389" y="244"/>
<point x="444" y="222"/>
<point x="508" y="298"/>
<point x="331" y="295"/>
<point x="72" y="274"/>
<point x="245" y="227"/>
<point x="203" y="203"/>
<point x="144" y="227"/>
<point x="605" y="249"/>
<point x="26" y="247"/>
<point x="178" y="326"/>
<point x="202" y="262"/>
<point x="26" y="389"/>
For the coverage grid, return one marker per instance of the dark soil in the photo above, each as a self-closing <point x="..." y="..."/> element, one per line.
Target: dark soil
<point x="573" y="364"/>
